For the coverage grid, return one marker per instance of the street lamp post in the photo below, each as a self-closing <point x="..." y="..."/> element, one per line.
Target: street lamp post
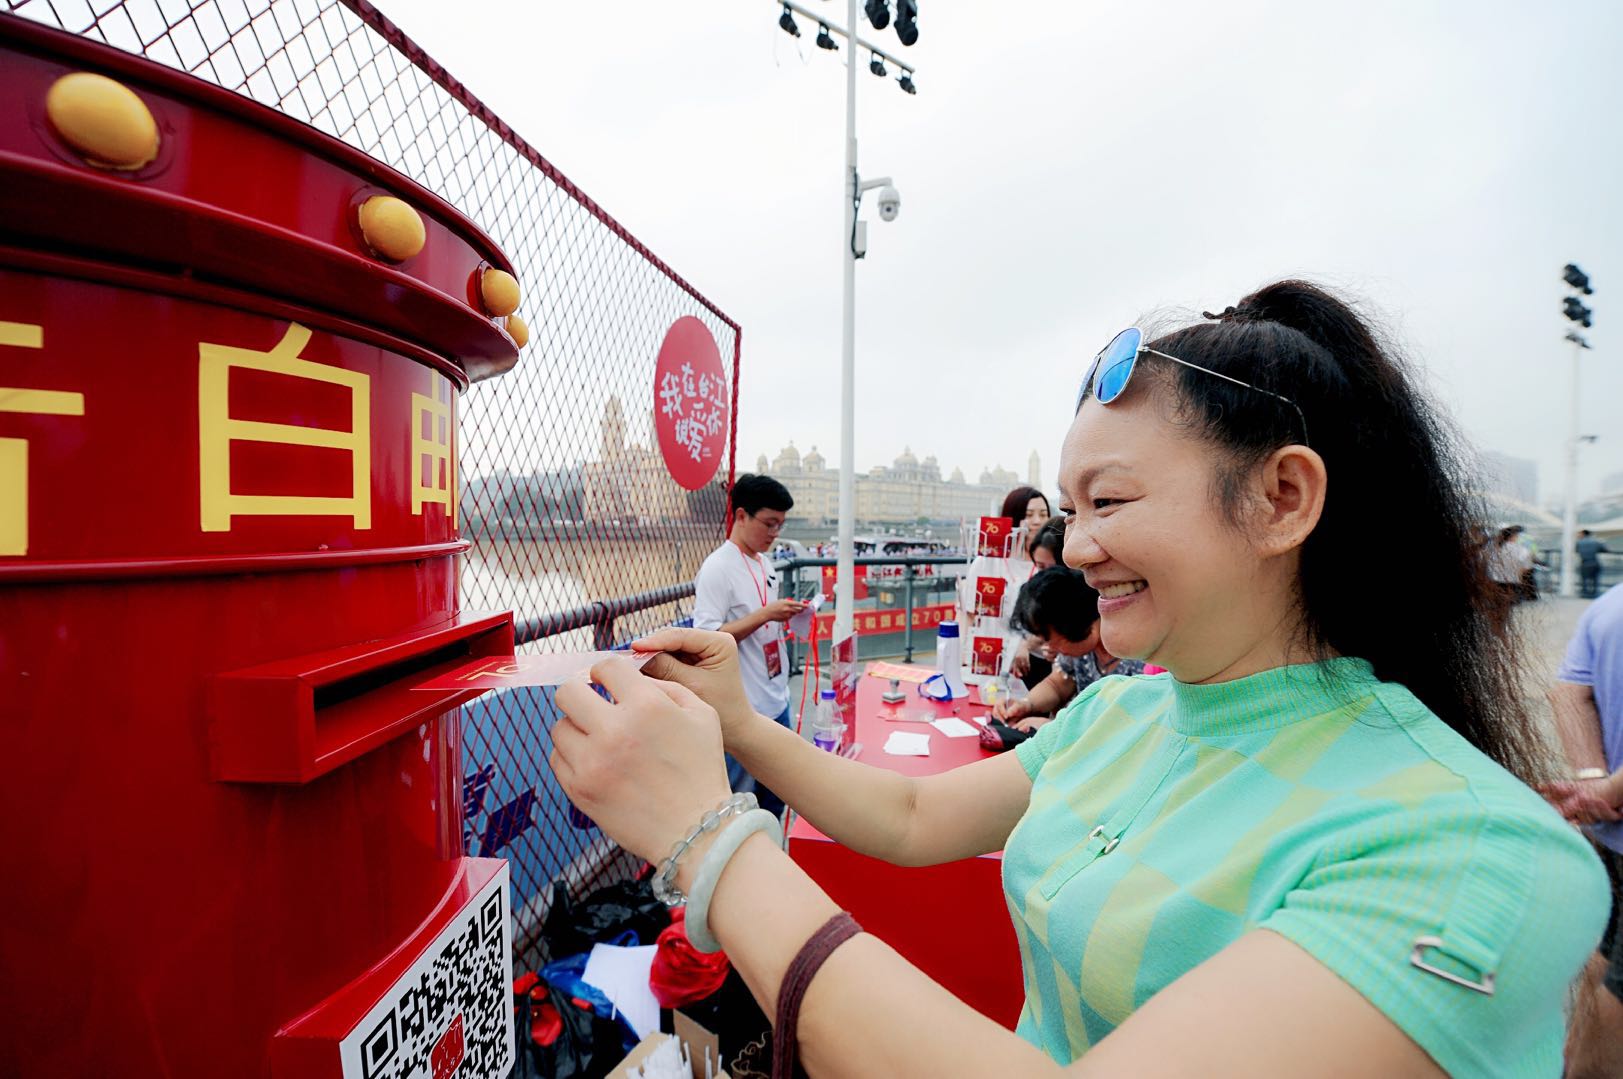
<point x="850" y="196"/>
<point x="852" y="241"/>
<point x="1573" y="308"/>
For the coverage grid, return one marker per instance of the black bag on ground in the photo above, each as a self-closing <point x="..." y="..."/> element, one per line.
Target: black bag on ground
<point x="572" y="928"/>
<point x="585" y="1046"/>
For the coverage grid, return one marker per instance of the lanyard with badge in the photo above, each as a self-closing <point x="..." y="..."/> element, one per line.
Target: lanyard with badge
<point x="773" y="649"/>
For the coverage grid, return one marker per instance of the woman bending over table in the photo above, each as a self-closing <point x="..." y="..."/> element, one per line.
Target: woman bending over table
<point x="1307" y="852"/>
<point x="1060" y="609"/>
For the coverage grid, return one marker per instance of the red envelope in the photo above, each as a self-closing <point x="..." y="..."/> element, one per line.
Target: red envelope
<point x="996" y="532"/>
<point x="504" y="672"/>
<point x="989" y="596"/>
<point x="986" y="656"/>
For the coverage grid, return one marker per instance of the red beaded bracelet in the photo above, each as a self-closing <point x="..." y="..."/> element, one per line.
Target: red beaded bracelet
<point x="796" y="980"/>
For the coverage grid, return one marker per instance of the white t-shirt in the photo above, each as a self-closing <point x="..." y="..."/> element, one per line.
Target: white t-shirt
<point x="730" y="585"/>
<point x="1508" y="561"/>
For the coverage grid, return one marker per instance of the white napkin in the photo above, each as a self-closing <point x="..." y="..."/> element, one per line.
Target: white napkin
<point x="907" y="744"/>
<point x="953" y="727"/>
<point x="622" y="976"/>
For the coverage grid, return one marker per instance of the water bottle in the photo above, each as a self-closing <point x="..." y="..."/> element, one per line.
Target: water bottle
<point x="825" y="727"/>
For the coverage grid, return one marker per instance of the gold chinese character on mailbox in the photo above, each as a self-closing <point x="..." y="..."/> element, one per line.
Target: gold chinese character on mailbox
<point x="14" y="451"/>
<point x="217" y="429"/>
<point x="433" y="465"/>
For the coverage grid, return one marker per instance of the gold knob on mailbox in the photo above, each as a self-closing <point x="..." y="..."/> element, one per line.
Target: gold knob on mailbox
<point x="391" y="228"/>
<point x="103" y="120"/>
<point x="518" y="331"/>
<point x="499" y="291"/>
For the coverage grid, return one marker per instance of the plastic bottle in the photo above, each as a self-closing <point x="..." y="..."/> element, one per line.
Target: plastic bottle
<point x="825" y="727"/>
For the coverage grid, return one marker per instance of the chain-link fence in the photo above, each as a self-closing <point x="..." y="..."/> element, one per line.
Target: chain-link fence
<point x="565" y="495"/>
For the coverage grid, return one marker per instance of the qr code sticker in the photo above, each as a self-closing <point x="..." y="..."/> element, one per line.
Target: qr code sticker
<point x="451" y="1014"/>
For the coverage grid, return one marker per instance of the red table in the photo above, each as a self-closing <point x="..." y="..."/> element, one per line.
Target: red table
<point x="949" y="920"/>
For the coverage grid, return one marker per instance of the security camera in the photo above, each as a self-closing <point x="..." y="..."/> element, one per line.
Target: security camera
<point x="890" y="203"/>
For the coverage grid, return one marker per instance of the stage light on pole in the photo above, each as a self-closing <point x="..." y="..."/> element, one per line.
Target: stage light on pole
<point x="787" y="21"/>
<point x="854" y="232"/>
<point x="1577" y="279"/>
<point x="907" y="21"/>
<point x="1575" y="311"/>
<point x="824" y="41"/>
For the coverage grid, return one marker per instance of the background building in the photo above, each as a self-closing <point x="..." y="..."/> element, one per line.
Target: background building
<point x="905" y="492"/>
<point x="629" y="482"/>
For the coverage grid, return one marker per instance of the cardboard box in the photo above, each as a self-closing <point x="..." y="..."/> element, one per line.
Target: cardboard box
<point x="637" y="1055"/>
<point x="697" y="1039"/>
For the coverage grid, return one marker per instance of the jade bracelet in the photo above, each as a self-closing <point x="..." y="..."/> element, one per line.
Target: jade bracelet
<point x="664" y="883"/>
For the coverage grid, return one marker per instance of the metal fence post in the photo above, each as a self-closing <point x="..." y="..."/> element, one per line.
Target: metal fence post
<point x="907" y="633"/>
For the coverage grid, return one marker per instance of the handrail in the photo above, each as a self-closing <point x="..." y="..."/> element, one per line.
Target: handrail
<point x="601" y="614"/>
<point x="880" y="560"/>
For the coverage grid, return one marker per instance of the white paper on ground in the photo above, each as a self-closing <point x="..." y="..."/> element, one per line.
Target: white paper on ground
<point x="907" y="744"/>
<point x="953" y="727"/>
<point x="622" y="976"/>
<point x="800" y="625"/>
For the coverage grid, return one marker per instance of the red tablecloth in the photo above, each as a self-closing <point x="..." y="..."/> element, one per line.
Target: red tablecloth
<point x="949" y="920"/>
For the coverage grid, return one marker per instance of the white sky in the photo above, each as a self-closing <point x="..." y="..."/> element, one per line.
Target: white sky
<point x="1066" y="167"/>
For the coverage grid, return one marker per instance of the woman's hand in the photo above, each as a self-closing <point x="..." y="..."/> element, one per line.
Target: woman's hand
<point x="1582" y="801"/>
<point x="707" y="664"/>
<point x="1030" y="723"/>
<point x="1020" y="665"/>
<point x="1010" y="710"/>
<point x="644" y="766"/>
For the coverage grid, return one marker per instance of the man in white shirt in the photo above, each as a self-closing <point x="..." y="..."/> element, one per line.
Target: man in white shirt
<point x="736" y="592"/>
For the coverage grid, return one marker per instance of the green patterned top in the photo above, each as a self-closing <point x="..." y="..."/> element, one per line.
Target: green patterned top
<point x="1169" y="820"/>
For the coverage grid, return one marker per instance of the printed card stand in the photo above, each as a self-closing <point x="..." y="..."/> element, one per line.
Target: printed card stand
<point x="986" y="595"/>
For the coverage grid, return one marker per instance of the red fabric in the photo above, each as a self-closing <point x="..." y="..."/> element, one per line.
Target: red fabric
<point x="682" y="974"/>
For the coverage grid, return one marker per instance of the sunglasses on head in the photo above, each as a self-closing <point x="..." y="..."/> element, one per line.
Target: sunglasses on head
<point x="1112" y="369"/>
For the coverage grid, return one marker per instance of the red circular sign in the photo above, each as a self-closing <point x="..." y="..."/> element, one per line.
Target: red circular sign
<point x="690" y="403"/>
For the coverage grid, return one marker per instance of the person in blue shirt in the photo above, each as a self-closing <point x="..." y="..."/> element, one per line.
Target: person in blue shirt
<point x="1589" y="550"/>
<point x="1588" y="703"/>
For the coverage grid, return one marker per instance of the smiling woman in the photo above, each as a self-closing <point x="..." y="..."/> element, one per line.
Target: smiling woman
<point x="1299" y="853"/>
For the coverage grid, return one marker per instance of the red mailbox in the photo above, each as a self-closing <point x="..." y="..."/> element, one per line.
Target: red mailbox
<point x="230" y="355"/>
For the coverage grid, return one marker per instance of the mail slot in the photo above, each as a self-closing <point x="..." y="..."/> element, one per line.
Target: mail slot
<point x="229" y="548"/>
<point x="295" y="719"/>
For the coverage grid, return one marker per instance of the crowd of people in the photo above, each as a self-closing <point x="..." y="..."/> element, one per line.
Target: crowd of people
<point x="1324" y="840"/>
